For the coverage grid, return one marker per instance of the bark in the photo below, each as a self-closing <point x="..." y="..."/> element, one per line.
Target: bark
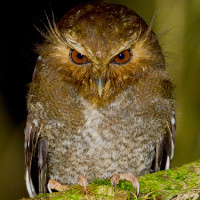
<point x="178" y="183"/>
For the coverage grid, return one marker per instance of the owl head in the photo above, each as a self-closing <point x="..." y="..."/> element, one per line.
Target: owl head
<point x="101" y="49"/>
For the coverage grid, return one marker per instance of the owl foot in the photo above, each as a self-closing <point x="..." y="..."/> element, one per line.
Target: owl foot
<point x="128" y="177"/>
<point x="56" y="186"/>
<point x="83" y="182"/>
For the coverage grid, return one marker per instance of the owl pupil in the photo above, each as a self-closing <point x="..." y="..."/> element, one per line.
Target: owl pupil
<point x="121" y="56"/>
<point x="79" y="56"/>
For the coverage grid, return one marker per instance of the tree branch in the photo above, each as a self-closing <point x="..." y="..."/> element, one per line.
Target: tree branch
<point x="178" y="183"/>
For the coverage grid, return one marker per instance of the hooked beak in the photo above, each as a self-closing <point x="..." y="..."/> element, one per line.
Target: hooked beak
<point x="100" y="83"/>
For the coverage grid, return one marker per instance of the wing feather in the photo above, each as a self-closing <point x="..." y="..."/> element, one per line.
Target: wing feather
<point x="165" y="147"/>
<point x="170" y="139"/>
<point x="35" y="149"/>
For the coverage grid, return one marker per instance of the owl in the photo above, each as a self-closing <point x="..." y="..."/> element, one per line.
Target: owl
<point x="100" y="104"/>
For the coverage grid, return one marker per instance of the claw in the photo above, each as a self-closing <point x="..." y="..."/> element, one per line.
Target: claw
<point x="85" y="185"/>
<point x="49" y="187"/>
<point x="83" y="182"/>
<point x="130" y="177"/>
<point x="138" y="188"/>
<point x="127" y="176"/>
<point x="115" y="180"/>
<point x="52" y="184"/>
<point x="114" y="186"/>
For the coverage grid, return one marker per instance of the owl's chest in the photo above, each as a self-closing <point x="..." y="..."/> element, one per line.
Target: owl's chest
<point x="109" y="130"/>
<point x="93" y="128"/>
<point x="111" y="138"/>
<point x="116" y="125"/>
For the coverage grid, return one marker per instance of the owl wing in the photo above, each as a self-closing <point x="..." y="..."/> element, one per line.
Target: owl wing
<point x="165" y="148"/>
<point x="35" y="149"/>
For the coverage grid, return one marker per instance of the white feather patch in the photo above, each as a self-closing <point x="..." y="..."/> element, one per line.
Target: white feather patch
<point x="173" y="121"/>
<point x="172" y="154"/>
<point x="39" y="57"/>
<point x="35" y="122"/>
<point x="167" y="163"/>
<point x="29" y="185"/>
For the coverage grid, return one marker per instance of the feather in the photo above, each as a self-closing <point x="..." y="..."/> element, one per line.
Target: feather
<point x="165" y="147"/>
<point x="35" y="149"/>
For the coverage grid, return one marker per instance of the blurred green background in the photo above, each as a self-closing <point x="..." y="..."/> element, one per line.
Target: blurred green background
<point x="178" y="19"/>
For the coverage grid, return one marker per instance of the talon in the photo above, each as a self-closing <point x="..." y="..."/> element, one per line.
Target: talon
<point x="115" y="180"/>
<point x="128" y="177"/>
<point x="114" y="186"/>
<point x="83" y="182"/>
<point x="52" y="184"/>
<point x="138" y="188"/>
<point x="49" y="187"/>
<point x="85" y="185"/>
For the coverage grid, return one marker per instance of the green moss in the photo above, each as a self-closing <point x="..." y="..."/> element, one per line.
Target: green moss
<point x="161" y="185"/>
<point x="101" y="182"/>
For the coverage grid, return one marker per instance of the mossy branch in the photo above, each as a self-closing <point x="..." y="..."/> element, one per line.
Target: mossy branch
<point x="178" y="183"/>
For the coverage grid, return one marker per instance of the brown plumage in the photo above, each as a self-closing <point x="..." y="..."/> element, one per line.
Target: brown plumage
<point x="101" y="102"/>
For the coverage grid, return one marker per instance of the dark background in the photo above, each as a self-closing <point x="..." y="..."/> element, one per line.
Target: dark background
<point x="178" y="19"/>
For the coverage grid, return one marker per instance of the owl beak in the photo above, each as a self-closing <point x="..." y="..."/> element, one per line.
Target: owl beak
<point x="100" y="83"/>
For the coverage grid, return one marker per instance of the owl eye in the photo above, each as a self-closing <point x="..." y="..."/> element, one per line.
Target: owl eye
<point x="122" y="57"/>
<point x="77" y="57"/>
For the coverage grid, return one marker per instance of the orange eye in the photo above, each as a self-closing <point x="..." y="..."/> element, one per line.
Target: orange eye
<point x="123" y="57"/>
<point x="77" y="57"/>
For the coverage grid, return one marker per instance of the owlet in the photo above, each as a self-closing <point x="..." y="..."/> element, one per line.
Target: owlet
<point x="100" y="103"/>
